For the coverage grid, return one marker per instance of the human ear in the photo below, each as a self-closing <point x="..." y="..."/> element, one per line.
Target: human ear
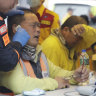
<point x="14" y="28"/>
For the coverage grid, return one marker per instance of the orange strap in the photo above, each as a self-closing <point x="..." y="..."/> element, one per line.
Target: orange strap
<point x="17" y="53"/>
<point x="30" y="71"/>
<point x="29" y="68"/>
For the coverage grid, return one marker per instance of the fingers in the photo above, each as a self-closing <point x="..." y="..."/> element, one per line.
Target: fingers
<point x="62" y="83"/>
<point x="66" y="83"/>
<point x="85" y="72"/>
<point x="85" y="78"/>
<point x="79" y="70"/>
<point x="77" y="30"/>
<point x="81" y="74"/>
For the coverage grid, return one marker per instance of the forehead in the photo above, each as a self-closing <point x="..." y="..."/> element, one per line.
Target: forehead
<point x="30" y="17"/>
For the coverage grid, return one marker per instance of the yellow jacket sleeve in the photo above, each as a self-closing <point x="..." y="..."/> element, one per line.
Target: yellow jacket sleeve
<point x="56" y="71"/>
<point x="17" y="82"/>
<point x="89" y="37"/>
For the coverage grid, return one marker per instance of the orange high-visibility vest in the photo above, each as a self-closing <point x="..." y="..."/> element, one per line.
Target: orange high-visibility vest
<point x="28" y="70"/>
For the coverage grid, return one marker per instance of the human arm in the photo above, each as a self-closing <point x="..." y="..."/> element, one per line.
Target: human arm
<point x="88" y="33"/>
<point x="56" y="71"/>
<point x="9" y="55"/>
<point x="62" y="83"/>
<point x="17" y="82"/>
<point x="9" y="51"/>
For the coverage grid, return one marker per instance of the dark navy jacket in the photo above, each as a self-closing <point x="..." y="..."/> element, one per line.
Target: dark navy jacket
<point x="9" y="54"/>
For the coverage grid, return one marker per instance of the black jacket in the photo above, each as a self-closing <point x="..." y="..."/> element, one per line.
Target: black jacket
<point x="8" y="54"/>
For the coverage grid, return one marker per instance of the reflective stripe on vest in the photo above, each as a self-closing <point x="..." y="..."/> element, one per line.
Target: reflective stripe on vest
<point x="17" y="53"/>
<point x="28" y="70"/>
<point x="44" y="65"/>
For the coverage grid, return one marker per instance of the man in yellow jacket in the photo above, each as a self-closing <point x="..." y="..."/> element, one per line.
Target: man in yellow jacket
<point x="33" y="66"/>
<point x="48" y="19"/>
<point x="63" y="46"/>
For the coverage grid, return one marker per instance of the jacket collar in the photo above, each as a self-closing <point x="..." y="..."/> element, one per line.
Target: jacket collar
<point x="57" y="33"/>
<point x="41" y="10"/>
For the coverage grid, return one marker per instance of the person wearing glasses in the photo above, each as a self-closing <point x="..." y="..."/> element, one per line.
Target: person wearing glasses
<point x="34" y="70"/>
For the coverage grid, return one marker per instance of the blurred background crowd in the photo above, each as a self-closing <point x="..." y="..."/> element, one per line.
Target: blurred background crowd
<point x="85" y="8"/>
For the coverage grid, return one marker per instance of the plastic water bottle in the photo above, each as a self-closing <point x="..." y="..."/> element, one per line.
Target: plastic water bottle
<point x="84" y="59"/>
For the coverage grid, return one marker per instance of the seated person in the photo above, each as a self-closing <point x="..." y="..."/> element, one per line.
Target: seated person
<point x="63" y="46"/>
<point x="34" y="70"/>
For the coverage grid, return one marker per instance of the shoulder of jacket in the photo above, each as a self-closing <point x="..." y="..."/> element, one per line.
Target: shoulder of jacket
<point x="50" y="41"/>
<point x="51" y="12"/>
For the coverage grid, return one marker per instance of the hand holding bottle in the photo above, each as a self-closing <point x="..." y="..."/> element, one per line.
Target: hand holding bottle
<point x="81" y="75"/>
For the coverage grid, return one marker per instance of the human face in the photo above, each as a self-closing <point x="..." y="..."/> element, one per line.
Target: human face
<point x="71" y="40"/>
<point x="6" y="5"/>
<point x="32" y="26"/>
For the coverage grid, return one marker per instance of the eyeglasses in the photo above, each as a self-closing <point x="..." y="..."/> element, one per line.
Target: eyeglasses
<point x="34" y="25"/>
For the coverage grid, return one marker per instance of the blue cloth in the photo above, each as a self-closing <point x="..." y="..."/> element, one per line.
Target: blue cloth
<point x="21" y="36"/>
<point x="14" y="12"/>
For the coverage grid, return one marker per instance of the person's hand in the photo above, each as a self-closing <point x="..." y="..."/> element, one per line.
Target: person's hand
<point x="21" y="36"/>
<point x="81" y="74"/>
<point x="78" y="29"/>
<point x="62" y="83"/>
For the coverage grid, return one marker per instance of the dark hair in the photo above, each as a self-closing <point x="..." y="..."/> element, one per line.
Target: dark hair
<point x="73" y="20"/>
<point x="92" y="46"/>
<point x="16" y="19"/>
<point x="86" y="18"/>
